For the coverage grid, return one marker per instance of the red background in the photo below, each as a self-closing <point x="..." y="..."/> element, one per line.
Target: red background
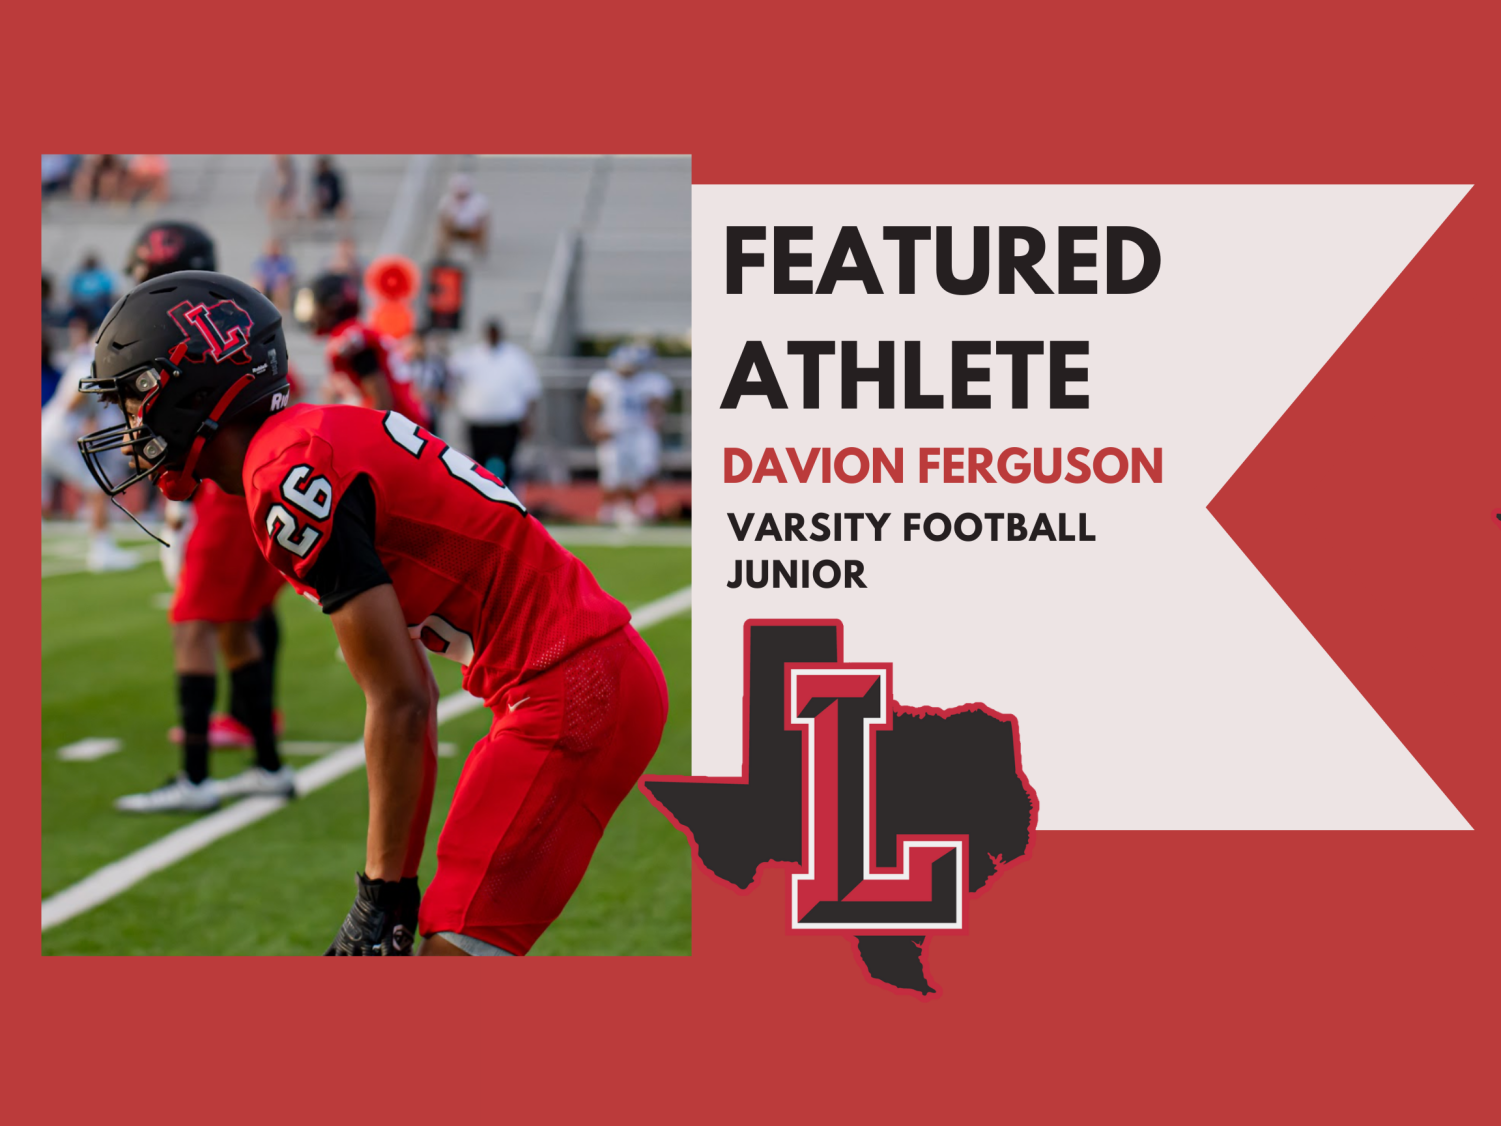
<point x="1161" y="976"/>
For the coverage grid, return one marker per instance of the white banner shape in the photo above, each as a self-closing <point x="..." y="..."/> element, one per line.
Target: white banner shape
<point x="1157" y="679"/>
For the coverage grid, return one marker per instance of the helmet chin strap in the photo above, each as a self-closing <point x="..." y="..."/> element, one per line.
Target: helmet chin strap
<point x="180" y="484"/>
<point x="134" y="520"/>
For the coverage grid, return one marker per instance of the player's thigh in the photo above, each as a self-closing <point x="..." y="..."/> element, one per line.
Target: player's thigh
<point x="615" y="710"/>
<point x="634" y="459"/>
<point x="608" y="454"/>
<point x="536" y="793"/>
<point x="648" y="454"/>
<point x="238" y="643"/>
<point x="224" y="577"/>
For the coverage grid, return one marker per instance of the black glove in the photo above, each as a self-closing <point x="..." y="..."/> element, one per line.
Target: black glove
<point x="383" y="920"/>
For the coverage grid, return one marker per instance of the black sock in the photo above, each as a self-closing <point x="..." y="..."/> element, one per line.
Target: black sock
<point x="195" y="700"/>
<point x="252" y="684"/>
<point x="268" y="633"/>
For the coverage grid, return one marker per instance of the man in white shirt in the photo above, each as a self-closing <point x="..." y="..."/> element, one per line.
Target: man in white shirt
<point x="493" y="387"/>
<point x="622" y="416"/>
<point x="463" y="216"/>
<point x="68" y="415"/>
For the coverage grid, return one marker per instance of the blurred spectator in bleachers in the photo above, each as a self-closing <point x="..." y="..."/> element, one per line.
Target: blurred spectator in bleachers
<point x="274" y="273"/>
<point x="57" y="173"/>
<point x="495" y="387"/>
<point x="100" y="176"/>
<point x="328" y="196"/>
<point x="463" y="216"/>
<point x="428" y="371"/>
<point x="346" y="261"/>
<point x="146" y="177"/>
<point x="50" y="375"/>
<point x="623" y="417"/>
<point x="52" y="316"/>
<point x="91" y="290"/>
<point x="110" y="177"/>
<point x="277" y="190"/>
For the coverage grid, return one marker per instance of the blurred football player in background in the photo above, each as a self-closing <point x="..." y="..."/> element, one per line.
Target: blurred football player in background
<point x="409" y="546"/>
<point x="364" y="365"/>
<point x="623" y="417"/>
<point x="221" y="607"/>
<point x="66" y="416"/>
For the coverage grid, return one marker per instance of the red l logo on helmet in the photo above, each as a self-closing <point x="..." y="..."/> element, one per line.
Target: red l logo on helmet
<point x="223" y="327"/>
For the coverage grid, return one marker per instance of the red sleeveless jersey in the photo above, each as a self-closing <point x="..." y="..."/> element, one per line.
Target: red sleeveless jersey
<point x="479" y="579"/>
<point x="352" y="338"/>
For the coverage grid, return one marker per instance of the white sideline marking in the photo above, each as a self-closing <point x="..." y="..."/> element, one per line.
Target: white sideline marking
<point x="598" y="535"/>
<point x="87" y="750"/>
<point x="314" y="748"/>
<point x="306" y="747"/>
<point x="109" y="881"/>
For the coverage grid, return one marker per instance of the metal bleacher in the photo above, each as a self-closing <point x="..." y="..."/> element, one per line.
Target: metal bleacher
<point x="220" y="193"/>
<point x="594" y="246"/>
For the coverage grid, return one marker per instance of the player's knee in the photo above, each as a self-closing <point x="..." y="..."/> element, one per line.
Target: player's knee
<point x="238" y="643"/>
<point x="193" y="647"/>
<point x="436" y="944"/>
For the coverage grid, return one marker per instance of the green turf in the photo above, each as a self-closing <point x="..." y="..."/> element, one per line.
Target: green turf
<point x="282" y="885"/>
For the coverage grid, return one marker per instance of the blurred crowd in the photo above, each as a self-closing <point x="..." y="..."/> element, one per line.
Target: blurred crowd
<point x="106" y="177"/>
<point x="487" y="391"/>
<point x="131" y="179"/>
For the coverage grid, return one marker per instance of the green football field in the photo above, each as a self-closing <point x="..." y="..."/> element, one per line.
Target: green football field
<point x="283" y="884"/>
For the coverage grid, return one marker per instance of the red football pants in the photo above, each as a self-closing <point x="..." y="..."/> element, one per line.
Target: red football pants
<point x="537" y="791"/>
<point x="225" y="578"/>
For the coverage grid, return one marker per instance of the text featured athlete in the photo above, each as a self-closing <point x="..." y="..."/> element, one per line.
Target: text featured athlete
<point x="224" y="590"/>
<point x="399" y="536"/>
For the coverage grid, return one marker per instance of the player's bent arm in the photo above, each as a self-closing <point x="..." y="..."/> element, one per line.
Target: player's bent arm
<point x="378" y="388"/>
<point x="399" y="714"/>
<point x="366" y="365"/>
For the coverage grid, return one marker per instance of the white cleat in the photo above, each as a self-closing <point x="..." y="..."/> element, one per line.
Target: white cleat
<point x="105" y="557"/>
<point x="177" y="796"/>
<point x="259" y="782"/>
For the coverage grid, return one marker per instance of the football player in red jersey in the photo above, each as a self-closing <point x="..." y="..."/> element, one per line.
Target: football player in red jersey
<point x="407" y="545"/>
<point x="223" y="602"/>
<point x="364" y="364"/>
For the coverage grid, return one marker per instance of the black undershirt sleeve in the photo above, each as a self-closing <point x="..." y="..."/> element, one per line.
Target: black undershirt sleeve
<point x="348" y="564"/>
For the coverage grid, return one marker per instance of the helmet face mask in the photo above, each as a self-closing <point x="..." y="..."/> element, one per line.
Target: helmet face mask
<point x="144" y="450"/>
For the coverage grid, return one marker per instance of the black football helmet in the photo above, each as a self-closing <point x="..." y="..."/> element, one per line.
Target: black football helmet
<point x="182" y="355"/>
<point x="164" y="248"/>
<point x="336" y="299"/>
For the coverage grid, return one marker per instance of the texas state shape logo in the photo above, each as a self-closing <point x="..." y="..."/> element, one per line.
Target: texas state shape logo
<point x="890" y="817"/>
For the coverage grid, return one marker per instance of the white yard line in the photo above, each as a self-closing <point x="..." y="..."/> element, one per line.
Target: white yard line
<point x="109" y="881"/>
<point x="87" y="750"/>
